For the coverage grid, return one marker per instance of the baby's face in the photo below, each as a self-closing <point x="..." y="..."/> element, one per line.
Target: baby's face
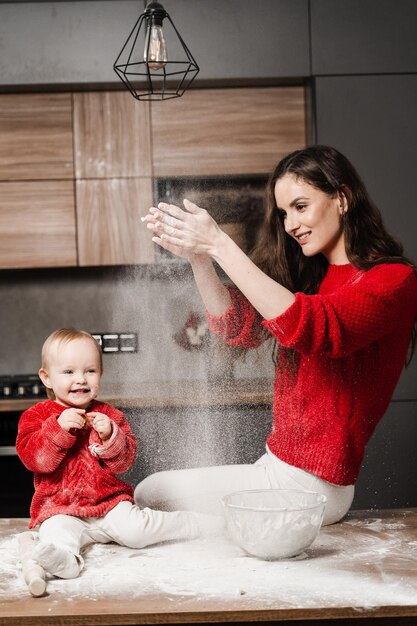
<point x="73" y="372"/>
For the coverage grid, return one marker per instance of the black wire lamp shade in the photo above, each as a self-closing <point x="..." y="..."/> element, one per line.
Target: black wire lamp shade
<point x="155" y="63"/>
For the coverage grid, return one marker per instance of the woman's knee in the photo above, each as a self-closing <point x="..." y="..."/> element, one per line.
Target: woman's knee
<point x="156" y="491"/>
<point x="338" y="504"/>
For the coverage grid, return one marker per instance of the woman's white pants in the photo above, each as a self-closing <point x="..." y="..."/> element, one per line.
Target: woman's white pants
<point x="201" y="489"/>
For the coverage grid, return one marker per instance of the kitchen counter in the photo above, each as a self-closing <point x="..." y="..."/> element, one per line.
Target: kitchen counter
<point x="363" y="568"/>
<point x="174" y="394"/>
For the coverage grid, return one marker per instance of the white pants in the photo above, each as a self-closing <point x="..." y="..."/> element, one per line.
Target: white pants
<point x="126" y="524"/>
<point x="201" y="489"/>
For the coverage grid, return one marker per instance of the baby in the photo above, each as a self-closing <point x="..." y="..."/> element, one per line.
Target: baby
<point x="76" y="446"/>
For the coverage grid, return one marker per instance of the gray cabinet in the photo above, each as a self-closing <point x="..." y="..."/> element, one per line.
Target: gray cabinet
<point x="363" y="36"/>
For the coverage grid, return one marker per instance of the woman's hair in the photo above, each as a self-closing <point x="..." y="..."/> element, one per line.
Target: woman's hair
<point x="367" y="241"/>
<point x="65" y="335"/>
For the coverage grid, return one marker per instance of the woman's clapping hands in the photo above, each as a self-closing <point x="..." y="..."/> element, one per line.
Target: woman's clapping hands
<point x="183" y="232"/>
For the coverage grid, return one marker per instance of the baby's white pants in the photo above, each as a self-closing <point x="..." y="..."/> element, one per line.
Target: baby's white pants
<point x="201" y="489"/>
<point x="127" y="525"/>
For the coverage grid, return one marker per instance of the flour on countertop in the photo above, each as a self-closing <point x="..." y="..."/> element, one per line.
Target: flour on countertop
<point x="201" y="570"/>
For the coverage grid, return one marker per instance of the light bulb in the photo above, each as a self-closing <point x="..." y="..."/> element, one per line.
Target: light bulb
<point x="155" y="53"/>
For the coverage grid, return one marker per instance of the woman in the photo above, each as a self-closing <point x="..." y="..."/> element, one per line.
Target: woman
<point x="333" y="288"/>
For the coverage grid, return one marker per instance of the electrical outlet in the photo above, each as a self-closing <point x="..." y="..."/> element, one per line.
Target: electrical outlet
<point x="117" y="342"/>
<point x="110" y="342"/>
<point x="128" y="342"/>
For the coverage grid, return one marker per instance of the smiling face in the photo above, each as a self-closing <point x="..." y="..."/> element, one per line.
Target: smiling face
<point x="312" y="217"/>
<point x="73" y="371"/>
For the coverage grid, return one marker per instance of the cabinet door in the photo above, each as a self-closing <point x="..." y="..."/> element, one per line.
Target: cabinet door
<point x="37" y="224"/>
<point x="227" y="131"/>
<point x="36" y="136"/>
<point x="108" y="221"/>
<point x="111" y="135"/>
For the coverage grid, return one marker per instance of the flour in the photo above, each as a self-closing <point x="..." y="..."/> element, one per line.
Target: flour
<point x="273" y="536"/>
<point x="11" y="579"/>
<point x="192" y="574"/>
<point x="274" y="524"/>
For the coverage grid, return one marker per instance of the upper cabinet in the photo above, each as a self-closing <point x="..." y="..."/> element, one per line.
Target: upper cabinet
<point x="112" y="144"/>
<point x="77" y="170"/>
<point x="37" y="224"/>
<point x="36" y="137"/>
<point x="109" y="228"/>
<point x="214" y="132"/>
<point x="37" y="212"/>
<point x="111" y="135"/>
<point x="209" y="132"/>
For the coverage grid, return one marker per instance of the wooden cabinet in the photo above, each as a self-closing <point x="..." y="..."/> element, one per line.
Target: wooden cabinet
<point x="77" y="170"/>
<point x="36" y="137"/>
<point x="37" y="211"/>
<point x="113" y="178"/>
<point x="213" y="132"/>
<point x="37" y="224"/>
<point x="111" y="135"/>
<point x="120" y="144"/>
<point x="109" y="228"/>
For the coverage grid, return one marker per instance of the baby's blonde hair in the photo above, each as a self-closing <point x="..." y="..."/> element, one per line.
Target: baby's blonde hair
<point x="65" y="335"/>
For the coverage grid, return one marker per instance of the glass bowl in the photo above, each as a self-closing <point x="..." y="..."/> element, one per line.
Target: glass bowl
<point x="274" y="523"/>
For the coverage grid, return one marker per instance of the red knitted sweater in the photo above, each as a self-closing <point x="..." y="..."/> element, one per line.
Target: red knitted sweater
<point x="74" y="473"/>
<point x="352" y="340"/>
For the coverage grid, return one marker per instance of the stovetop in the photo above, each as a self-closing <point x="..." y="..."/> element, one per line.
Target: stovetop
<point x="21" y="386"/>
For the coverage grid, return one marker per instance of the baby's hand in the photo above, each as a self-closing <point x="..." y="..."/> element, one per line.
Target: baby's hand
<point x="101" y="423"/>
<point x="72" y="418"/>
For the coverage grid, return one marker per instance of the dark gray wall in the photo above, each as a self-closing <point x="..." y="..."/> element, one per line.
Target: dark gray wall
<point x="363" y="36"/>
<point x="78" y="42"/>
<point x="372" y="119"/>
<point x="364" y="66"/>
<point x="360" y="58"/>
<point x="388" y="477"/>
<point x="221" y="435"/>
<point x="153" y="303"/>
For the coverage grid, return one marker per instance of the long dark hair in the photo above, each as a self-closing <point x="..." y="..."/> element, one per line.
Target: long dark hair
<point x="367" y="241"/>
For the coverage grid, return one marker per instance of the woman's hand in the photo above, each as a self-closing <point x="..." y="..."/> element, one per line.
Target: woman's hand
<point x="183" y="232"/>
<point x="194" y="235"/>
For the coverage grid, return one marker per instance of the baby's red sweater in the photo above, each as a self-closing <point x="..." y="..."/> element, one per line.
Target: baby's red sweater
<point x="352" y="340"/>
<point x="75" y="473"/>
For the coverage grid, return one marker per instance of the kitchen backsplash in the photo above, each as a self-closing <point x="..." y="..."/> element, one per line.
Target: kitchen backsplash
<point x="153" y="302"/>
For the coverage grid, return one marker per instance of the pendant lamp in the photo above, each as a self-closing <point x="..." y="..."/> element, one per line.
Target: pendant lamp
<point x="155" y="63"/>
